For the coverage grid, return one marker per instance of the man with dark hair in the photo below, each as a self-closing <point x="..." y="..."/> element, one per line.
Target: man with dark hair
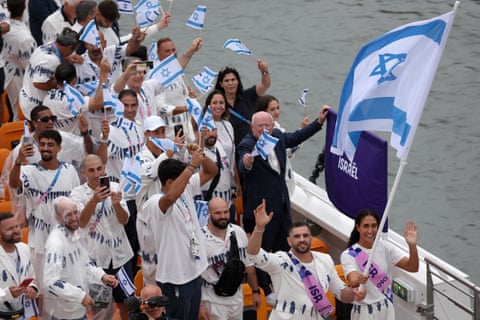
<point x="172" y="215"/>
<point x="65" y="17"/>
<point x="17" y="50"/>
<point x="300" y="277"/>
<point x="41" y="69"/>
<point x="106" y="18"/>
<point x="39" y="184"/>
<point x="85" y="11"/>
<point x="16" y="266"/>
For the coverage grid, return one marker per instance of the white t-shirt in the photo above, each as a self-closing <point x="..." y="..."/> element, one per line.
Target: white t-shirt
<point x="40" y="213"/>
<point x="174" y="230"/>
<point x="217" y="250"/>
<point x="40" y="68"/>
<point x="54" y="24"/>
<point x="104" y="236"/>
<point x="385" y="257"/>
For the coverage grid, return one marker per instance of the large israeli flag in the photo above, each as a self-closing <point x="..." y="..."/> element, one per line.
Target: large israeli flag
<point x="388" y="85"/>
<point x="167" y="70"/>
<point x="197" y="19"/>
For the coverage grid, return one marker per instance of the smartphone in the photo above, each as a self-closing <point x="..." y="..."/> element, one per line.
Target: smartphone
<point x="105" y="182"/>
<point x="177" y="128"/>
<point x="27" y="140"/>
<point x="26" y="282"/>
<point x="141" y="67"/>
<point x="149" y="64"/>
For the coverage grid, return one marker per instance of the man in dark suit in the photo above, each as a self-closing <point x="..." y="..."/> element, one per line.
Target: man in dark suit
<point x="265" y="179"/>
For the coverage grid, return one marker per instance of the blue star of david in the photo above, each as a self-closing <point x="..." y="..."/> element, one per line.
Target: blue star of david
<point x="206" y="79"/>
<point x="195" y="16"/>
<point x="165" y="72"/>
<point x="196" y="112"/>
<point x="261" y="143"/>
<point x="387" y="63"/>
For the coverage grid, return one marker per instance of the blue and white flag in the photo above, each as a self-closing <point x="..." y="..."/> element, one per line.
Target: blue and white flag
<point x="204" y="80"/>
<point x="265" y="145"/>
<point x="131" y="172"/>
<point x="30" y="307"/>
<point x="164" y="144"/>
<point x="302" y="100"/>
<point x="167" y="71"/>
<point x="26" y="128"/>
<point x="197" y="19"/>
<point x="87" y="88"/>
<point x="207" y="120"/>
<point x="147" y="12"/>
<point x="388" y="85"/>
<point x="152" y="52"/>
<point x="202" y="212"/>
<point x="195" y="109"/>
<point x="125" y="6"/>
<point x="237" y="46"/>
<point x="90" y="34"/>
<point x="111" y="101"/>
<point x="125" y="283"/>
<point x="76" y="102"/>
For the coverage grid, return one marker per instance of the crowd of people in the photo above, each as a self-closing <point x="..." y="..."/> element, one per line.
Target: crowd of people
<point x="101" y="190"/>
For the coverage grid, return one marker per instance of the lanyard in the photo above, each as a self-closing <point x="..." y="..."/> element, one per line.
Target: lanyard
<point x="238" y="115"/>
<point x="45" y="194"/>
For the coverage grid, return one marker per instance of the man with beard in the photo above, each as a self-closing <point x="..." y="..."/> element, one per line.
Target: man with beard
<point x="300" y="277"/>
<point x="217" y="241"/>
<point x="15" y="265"/>
<point x="40" y="183"/>
<point x="68" y="271"/>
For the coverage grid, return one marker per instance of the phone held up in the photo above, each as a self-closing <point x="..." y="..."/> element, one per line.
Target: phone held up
<point x="26" y="282"/>
<point x="104" y="182"/>
<point x="178" y="128"/>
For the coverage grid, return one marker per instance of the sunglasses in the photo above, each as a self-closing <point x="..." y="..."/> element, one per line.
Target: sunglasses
<point x="47" y="118"/>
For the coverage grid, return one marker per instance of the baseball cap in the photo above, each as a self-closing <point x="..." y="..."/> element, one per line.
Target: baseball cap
<point x="153" y="122"/>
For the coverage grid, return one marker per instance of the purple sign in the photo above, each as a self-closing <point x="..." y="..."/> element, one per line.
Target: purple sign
<point x="362" y="183"/>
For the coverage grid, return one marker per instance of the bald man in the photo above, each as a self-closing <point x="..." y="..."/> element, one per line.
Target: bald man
<point x="153" y="311"/>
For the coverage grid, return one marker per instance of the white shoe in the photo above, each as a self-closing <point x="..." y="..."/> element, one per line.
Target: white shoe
<point x="271" y="299"/>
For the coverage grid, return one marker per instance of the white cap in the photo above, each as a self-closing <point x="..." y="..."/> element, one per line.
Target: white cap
<point x="152" y="123"/>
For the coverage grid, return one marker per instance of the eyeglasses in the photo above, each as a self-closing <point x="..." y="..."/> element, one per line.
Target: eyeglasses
<point x="47" y="118"/>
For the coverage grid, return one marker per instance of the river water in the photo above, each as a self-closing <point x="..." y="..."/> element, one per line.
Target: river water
<point x="311" y="44"/>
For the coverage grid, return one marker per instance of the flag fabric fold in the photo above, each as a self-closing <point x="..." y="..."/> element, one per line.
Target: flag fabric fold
<point x="204" y="80"/>
<point x="265" y="145"/>
<point x="167" y="71"/>
<point x="90" y="34"/>
<point x="237" y="46"/>
<point x="197" y="19"/>
<point x="76" y="101"/>
<point x="388" y="85"/>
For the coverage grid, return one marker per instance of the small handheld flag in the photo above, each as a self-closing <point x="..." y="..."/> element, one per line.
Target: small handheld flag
<point x="125" y="6"/>
<point x="90" y="34"/>
<point x="204" y="80"/>
<point x="302" y="100"/>
<point x="152" y="52"/>
<point x="76" y="101"/>
<point x="125" y="283"/>
<point x="265" y="145"/>
<point x="87" y="88"/>
<point x="237" y="46"/>
<point x="147" y="12"/>
<point x="164" y="144"/>
<point x="111" y="101"/>
<point x="197" y="19"/>
<point x="167" y="70"/>
<point x="207" y="120"/>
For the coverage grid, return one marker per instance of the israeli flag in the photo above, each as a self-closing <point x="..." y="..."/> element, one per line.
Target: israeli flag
<point x="237" y="46"/>
<point x="125" y="6"/>
<point x="388" y="85"/>
<point x="265" y="145"/>
<point x="202" y="212"/>
<point x="204" y="80"/>
<point x="164" y="144"/>
<point x="131" y="172"/>
<point x="195" y="109"/>
<point x="167" y="71"/>
<point x="125" y="283"/>
<point x="152" y="52"/>
<point x="302" y="100"/>
<point x="111" y="101"/>
<point x="87" y="88"/>
<point x="90" y="34"/>
<point x="76" y="101"/>
<point x="197" y="19"/>
<point x="147" y="12"/>
<point x="207" y="120"/>
<point x="30" y="307"/>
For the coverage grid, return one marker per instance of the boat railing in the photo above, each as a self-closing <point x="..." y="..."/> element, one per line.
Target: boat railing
<point x="466" y="296"/>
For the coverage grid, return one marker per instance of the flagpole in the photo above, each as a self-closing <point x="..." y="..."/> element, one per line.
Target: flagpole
<point x="170" y="7"/>
<point x="393" y="191"/>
